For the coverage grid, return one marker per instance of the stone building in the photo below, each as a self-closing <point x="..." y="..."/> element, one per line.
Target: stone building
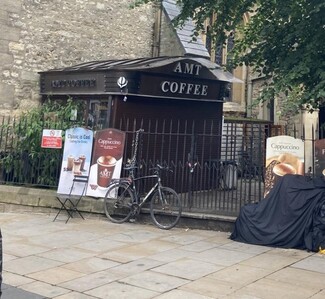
<point x="39" y="35"/>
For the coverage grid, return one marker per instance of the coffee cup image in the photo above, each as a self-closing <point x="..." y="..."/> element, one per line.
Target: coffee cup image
<point x="70" y="162"/>
<point x="105" y="170"/>
<point x="281" y="169"/>
<point x="76" y="166"/>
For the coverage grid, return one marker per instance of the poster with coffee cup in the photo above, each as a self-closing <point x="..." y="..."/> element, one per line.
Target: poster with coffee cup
<point x="106" y="161"/>
<point x="76" y="159"/>
<point x="320" y="158"/>
<point x="284" y="155"/>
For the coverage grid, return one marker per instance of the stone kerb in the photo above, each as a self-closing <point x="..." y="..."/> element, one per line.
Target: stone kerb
<point x="24" y="199"/>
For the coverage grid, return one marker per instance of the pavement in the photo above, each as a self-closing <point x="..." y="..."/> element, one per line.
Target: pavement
<point x="93" y="258"/>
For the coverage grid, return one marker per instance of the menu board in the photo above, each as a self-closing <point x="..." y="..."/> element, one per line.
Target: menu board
<point x="76" y="159"/>
<point x="284" y="155"/>
<point x="106" y="161"/>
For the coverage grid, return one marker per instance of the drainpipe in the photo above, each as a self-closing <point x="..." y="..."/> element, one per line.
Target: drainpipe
<point x="157" y="29"/>
<point x="249" y="98"/>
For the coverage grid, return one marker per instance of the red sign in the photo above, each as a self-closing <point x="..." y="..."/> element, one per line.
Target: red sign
<point x="52" y="139"/>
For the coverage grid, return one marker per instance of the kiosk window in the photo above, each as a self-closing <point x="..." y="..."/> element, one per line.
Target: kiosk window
<point x="97" y="114"/>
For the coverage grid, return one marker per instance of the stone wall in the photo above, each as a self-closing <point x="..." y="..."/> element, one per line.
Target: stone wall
<point x="38" y="35"/>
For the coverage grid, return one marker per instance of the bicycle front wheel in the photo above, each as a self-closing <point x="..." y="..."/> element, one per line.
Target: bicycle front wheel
<point x="118" y="203"/>
<point x="165" y="208"/>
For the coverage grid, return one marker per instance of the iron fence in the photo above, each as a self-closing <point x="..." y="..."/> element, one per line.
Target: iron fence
<point x="215" y="170"/>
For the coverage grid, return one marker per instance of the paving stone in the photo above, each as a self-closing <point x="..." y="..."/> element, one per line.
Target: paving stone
<point x="91" y="281"/>
<point x="211" y="287"/>
<point x="222" y="257"/>
<point x="270" y="289"/>
<point x="55" y="275"/>
<point x="117" y="290"/>
<point x="137" y="266"/>
<point x="30" y="264"/>
<point x="91" y="265"/>
<point x="312" y="263"/>
<point x="15" y="280"/>
<point x="270" y="261"/>
<point x="66" y="255"/>
<point x="199" y="246"/>
<point x="188" y="269"/>
<point x="75" y="295"/>
<point x="171" y="255"/>
<point x="154" y="281"/>
<point x="179" y="294"/>
<point x="241" y="274"/>
<point x="298" y="277"/>
<point x="101" y="245"/>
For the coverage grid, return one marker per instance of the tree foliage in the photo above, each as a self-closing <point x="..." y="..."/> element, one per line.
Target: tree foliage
<point x="283" y="41"/>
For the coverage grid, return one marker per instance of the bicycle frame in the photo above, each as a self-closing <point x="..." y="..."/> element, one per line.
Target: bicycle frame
<point x="156" y="186"/>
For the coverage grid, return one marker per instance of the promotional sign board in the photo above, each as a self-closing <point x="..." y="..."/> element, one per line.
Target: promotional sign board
<point x="51" y="139"/>
<point x="320" y="157"/>
<point x="76" y="159"/>
<point x="106" y="160"/>
<point x="284" y="155"/>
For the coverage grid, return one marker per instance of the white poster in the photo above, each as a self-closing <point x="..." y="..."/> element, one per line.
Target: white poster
<point x="76" y="159"/>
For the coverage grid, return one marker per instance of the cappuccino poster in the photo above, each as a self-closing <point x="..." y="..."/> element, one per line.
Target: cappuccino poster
<point x="284" y="155"/>
<point x="106" y="161"/>
<point x="76" y="159"/>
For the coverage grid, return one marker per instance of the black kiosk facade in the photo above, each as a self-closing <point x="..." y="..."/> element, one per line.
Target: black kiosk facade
<point x="177" y="101"/>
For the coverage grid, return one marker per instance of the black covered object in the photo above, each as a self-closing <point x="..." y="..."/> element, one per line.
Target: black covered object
<point x="292" y="215"/>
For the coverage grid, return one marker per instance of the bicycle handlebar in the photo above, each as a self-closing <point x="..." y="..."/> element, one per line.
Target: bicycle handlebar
<point x="157" y="169"/>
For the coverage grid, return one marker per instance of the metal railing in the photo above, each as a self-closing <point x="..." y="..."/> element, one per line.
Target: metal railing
<point x="215" y="170"/>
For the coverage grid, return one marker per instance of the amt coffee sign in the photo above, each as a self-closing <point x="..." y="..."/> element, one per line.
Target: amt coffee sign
<point x="186" y="82"/>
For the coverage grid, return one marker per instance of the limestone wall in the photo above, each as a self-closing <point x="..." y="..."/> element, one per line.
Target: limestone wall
<point x="38" y="35"/>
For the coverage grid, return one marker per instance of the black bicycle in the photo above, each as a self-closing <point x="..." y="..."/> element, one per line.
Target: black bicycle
<point x="122" y="200"/>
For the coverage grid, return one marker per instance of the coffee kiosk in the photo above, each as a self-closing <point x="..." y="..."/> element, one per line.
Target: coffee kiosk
<point x="156" y="94"/>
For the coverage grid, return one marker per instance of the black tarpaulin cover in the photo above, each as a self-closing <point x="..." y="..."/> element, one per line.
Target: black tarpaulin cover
<point x="292" y="215"/>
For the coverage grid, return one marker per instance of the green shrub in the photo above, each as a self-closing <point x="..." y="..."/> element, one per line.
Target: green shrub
<point x="23" y="160"/>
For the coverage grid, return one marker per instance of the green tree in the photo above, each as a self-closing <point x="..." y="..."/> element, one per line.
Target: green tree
<point x="283" y="41"/>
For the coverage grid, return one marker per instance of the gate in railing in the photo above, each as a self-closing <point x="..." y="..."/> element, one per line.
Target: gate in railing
<point x="215" y="171"/>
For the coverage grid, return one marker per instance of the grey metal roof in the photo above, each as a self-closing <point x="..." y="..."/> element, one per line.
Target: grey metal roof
<point x="142" y="64"/>
<point x="185" y="33"/>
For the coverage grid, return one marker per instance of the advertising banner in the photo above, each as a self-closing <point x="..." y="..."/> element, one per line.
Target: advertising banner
<point x="76" y="159"/>
<point x="106" y="161"/>
<point x="284" y="155"/>
<point x="320" y="157"/>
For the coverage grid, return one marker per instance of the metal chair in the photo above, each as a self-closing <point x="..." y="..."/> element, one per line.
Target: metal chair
<point x="70" y="202"/>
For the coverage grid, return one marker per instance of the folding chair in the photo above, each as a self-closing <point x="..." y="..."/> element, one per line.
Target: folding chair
<point x="70" y="202"/>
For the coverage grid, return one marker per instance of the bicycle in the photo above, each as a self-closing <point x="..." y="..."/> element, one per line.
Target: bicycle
<point x="122" y="200"/>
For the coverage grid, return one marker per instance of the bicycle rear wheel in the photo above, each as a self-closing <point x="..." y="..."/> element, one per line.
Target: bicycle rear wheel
<point x="165" y="210"/>
<point x="118" y="203"/>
